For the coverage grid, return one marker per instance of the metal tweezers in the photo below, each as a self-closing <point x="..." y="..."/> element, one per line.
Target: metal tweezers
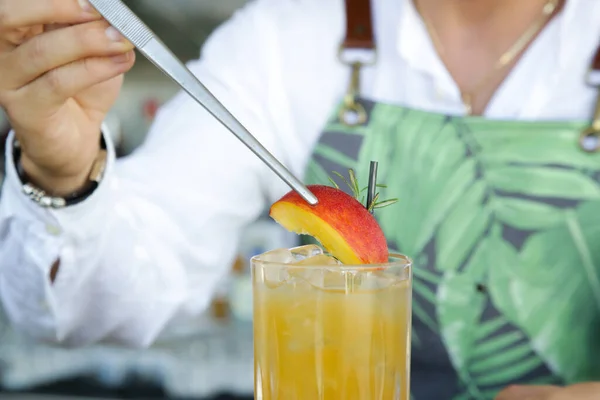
<point x="131" y="27"/>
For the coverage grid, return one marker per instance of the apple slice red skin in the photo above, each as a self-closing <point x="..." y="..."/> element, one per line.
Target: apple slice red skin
<point x="356" y="226"/>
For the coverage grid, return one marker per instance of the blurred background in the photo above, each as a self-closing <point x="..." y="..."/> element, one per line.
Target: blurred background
<point x="211" y="360"/>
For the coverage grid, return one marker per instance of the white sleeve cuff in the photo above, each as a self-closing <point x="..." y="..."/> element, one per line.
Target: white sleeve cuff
<point x="39" y="237"/>
<point x="86" y="215"/>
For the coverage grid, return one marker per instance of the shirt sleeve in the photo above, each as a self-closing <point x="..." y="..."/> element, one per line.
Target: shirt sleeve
<point x="149" y="246"/>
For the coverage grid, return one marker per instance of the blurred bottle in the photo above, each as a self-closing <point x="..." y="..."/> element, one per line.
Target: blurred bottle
<point x="232" y="301"/>
<point x="220" y="309"/>
<point x="261" y="236"/>
<point x="241" y="291"/>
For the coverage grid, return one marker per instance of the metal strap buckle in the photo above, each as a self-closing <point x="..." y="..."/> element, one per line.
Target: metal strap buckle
<point x="352" y="112"/>
<point x="589" y="139"/>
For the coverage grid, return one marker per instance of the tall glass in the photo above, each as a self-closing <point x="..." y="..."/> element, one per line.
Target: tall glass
<point x="330" y="332"/>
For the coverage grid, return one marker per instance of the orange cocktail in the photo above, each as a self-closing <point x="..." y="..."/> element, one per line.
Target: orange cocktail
<point x="328" y="331"/>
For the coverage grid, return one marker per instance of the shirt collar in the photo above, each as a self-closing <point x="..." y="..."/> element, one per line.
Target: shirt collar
<point x="414" y="43"/>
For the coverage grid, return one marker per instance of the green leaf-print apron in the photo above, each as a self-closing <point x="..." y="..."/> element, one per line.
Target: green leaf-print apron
<point x="502" y="219"/>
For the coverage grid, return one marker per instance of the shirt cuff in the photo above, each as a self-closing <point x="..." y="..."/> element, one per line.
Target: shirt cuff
<point x="78" y="219"/>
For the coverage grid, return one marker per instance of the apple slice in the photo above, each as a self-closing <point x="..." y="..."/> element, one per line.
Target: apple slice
<point x="344" y="227"/>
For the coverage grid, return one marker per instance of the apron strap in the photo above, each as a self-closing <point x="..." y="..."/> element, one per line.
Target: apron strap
<point x="594" y="72"/>
<point x="357" y="49"/>
<point x="589" y="140"/>
<point x="596" y="61"/>
<point x="359" y="25"/>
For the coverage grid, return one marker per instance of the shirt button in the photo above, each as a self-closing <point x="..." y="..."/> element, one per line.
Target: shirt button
<point x="53" y="230"/>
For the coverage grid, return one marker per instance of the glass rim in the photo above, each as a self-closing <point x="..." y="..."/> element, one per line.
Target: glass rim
<point x="395" y="260"/>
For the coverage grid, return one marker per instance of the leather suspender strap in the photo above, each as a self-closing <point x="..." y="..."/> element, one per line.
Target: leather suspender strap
<point x="357" y="49"/>
<point x="359" y="25"/>
<point x="596" y="60"/>
<point x="589" y="140"/>
<point x="594" y="72"/>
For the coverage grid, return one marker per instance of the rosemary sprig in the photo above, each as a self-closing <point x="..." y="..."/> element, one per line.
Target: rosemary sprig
<point x="383" y="203"/>
<point x="335" y="185"/>
<point x="371" y="206"/>
<point x="352" y="183"/>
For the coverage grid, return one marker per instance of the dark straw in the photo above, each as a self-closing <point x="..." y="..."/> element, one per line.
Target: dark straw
<point x="372" y="190"/>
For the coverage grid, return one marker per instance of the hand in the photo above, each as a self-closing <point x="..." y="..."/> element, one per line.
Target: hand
<point x="62" y="69"/>
<point x="582" y="391"/>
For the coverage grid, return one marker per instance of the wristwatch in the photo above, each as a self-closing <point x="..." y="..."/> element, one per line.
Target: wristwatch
<point x="44" y="199"/>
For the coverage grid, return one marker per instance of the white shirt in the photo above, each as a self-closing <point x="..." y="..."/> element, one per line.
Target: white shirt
<point x="147" y="249"/>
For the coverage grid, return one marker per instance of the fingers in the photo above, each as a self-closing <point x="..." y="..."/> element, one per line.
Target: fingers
<point x="21" y="13"/>
<point x="58" y="85"/>
<point x="523" y="392"/>
<point x="580" y="391"/>
<point x="17" y="36"/>
<point x="59" y="47"/>
<point x="53" y="27"/>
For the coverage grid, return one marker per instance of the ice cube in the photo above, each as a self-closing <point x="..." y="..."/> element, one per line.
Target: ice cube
<point x="283" y="256"/>
<point x="274" y="275"/>
<point x="319" y="260"/>
<point x="309" y="250"/>
<point x="320" y="272"/>
<point x="313" y="276"/>
<point x="381" y="280"/>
